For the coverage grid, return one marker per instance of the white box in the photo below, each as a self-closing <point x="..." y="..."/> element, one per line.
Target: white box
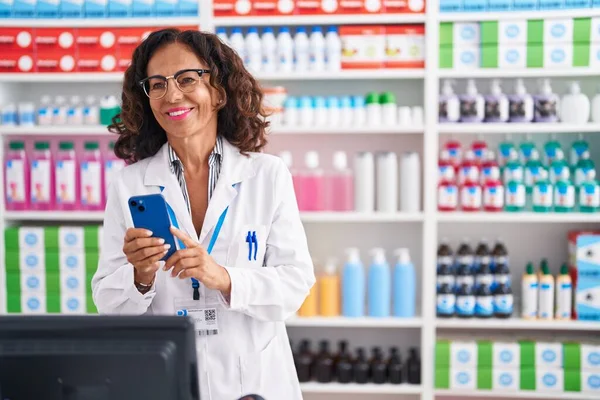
<point x="463" y="378"/>
<point x="31" y="238"/>
<point x="549" y="380"/>
<point x="512" y="32"/>
<point x="32" y="261"/>
<point x="512" y="56"/>
<point x="590" y="382"/>
<point x="463" y="354"/>
<point x="467" y="57"/>
<point x="72" y="282"/>
<point x="33" y="282"/>
<point x="33" y="303"/>
<point x="558" y="31"/>
<point x="558" y="55"/>
<point x="506" y="355"/>
<point x="71" y="238"/>
<point x="595" y="55"/>
<point x="72" y="304"/>
<point x="466" y="33"/>
<point x="506" y="379"/>
<point x="548" y="355"/>
<point x="590" y="357"/>
<point x="595" y="30"/>
<point x="72" y="261"/>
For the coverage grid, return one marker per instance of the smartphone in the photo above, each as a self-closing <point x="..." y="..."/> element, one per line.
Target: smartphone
<point x="150" y="212"/>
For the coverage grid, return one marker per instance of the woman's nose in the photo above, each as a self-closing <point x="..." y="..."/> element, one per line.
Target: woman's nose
<point x="173" y="93"/>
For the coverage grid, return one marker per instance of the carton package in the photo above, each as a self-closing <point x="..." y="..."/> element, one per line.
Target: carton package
<point x="363" y="46"/>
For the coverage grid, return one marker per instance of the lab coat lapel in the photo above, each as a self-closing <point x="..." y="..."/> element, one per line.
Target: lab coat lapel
<point x="235" y="168"/>
<point x="158" y="173"/>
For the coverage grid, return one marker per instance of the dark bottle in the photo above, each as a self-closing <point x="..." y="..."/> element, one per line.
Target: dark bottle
<point x="413" y="367"/>
<point x="464" y="254"/>
<point x="484" y="302"/>
<point x="464" y="276"/>
<point x="501" y="276"/>
<point x="343" y="363"/>
<point x="484" y="276"/>
<point x="444" y="254"/>
<point x="446" y="301"/>
<point x="465" y="302"/>
<point x="395" y="367"/>
<point x="361" y="367"/>
<point x="445" y="275"/>
<point x="304" y="362"/>
<point x="324" y="364"/>
<point x="482" y="253"/>
<point x="378" y="367"/>
<point x="499" y="253"/>
<point x="503" y="301"/>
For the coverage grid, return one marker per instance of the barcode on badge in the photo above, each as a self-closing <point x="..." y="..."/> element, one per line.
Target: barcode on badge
<point x="210" y="315"/>
<point x="208" y="332"/>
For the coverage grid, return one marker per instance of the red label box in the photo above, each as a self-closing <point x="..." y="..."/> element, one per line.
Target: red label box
<point x="273" y="7"/>
<point x="55" y="50"/>
<point x="363" y="47"/>
<point x="97" y="49"/>
<point x="360" y="7"/>
<point x="404" y="6"/>
<point x="232" y="8"/>
<point x="405" y="46"/>
<point x="17" y="50"/>
<point x="127" y="40"/>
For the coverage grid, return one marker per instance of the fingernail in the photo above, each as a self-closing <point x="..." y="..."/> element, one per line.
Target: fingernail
<point x="161" y="241"/>
<point x="149" y="233"/>
<point x="167" y="246"/>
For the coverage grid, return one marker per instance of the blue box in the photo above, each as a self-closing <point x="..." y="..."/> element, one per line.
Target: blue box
<point x="24" y="9"/>
<point x="48" y="8"/>
<point x="499" y="5"/>
<point x="551" y="4"/>
<point x="452" y="5"/>
<point x="474" y="5"/>
<point x="143" y="8"/>
<point x="6" y="8"/>
<point x="188" y="8"/>
<point x="577" y="4"/>
<point x="119" y="8"/>
<point x="71" y="9"/>
<point x="523" y="5"/>
<point x="95" y="8"/>
<point x="166" y="8"/>
<point x="595" y="3"/>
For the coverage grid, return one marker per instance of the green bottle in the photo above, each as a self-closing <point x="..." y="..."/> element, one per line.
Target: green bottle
<point x="542" y="193"/>
<point x="527" y="150"/>
<point x="513" y="170"/>
<point x="558" y="166"/>
<point x="533" y="169"/>
<point x="551" y="150"/>
<point x="577" y="149"/>
<point x="583" y="166"/>
<point x="564" y="192"/>
<point x="515" y="196"/>
<point x="589" y="195"/>
<point x="504" y="151"/>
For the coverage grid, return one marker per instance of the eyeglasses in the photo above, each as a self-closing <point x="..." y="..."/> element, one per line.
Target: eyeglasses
<point x="155" y="86"/>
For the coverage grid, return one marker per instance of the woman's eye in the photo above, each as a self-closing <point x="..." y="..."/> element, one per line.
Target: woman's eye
<point x="158" y="86"/>
<point x="187" y="81"/>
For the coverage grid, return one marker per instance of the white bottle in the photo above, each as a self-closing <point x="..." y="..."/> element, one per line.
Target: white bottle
<point x="290" y="111"/>
<point x="410" y="183"/>
<point x="317" y="49"/>
<point x="333" y="111"/>
<point x="520" y="104"/>
<point x="237" y="43"/>
<point x="496" y="104"/>
<point x="360" y="111"/>
<point x="529" y="293"/>
<point x="301" y="50"/>
<point x="253" y="50"/>
<point x="472" y="104"/>
<point x="45" y="111"/>
<point x="75" y="112"/>
<point x="285" y="50"/>
<point x="546" y="295"/>
<point x="333" y="49"/>
<point x="346" y="111"/>
<point x="91" y="111"/>
<point x="26" y="113"/>
<point x="449" y="105"/>
<point x="320" y="110"/>
<point x="222" y="34"/>
<point x="564" y="294"/>
<point x="364" y="182"/>
<point x="306" y="111"/>
<point x="269" y="50"/>
<point x="575" y="106"/>
<point x="373" y="109"/>
<point x="59" y="115"/>
<point x="596" y="108"/>
<point x="387" y="182"/>
<point x="9" y="115"/>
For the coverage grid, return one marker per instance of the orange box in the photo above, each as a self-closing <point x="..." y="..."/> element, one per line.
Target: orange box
<point x="16" y="61"/>
<point x="404" y="6"/>
<point x="97" y="50"/>
<point x="363" y="46"/>
<point x="272" y="7"/>
<point x="231" y="8"/>
<point x="17" y="39"/>
<point x="405" y="46"/>
<point x="55" y="49"/>
<point x="360" y="7"/>
<point x="310" y="7"/>
<point x="127" y="40"/>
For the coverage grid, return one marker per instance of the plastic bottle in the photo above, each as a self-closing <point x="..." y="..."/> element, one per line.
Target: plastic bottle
<point x="343" y="364"/>
<point x="552" y="150"/>
<point x="410" y="182"/>
<point x="60" y="110"/>
<point x="527" y="150"/>
<point x="445" y="168"/>
<point x="484" y="302"/>
<point x="91" y="175"/>
<point x="389" y="111"/>
<point x="464" y="275"/>
<point x="505" y="149"/>
<point x="301" y="50"/>
<point x="109" y="108"/>
<point x="360" y="110"/>
<point x="373" y="109"/>
<point x="404" y="285"/>
<point x="472" y="104"/>
<point x="304" y="363"/>
<point x="533" y="172"/>
<point x="529" y="293"/>
<point x="589" y="193"/>
<point x="445" y="276"/>
<point x="329" y="291"/>
<point x="490" y="170"/>
<point x="503" y="301"/>
<point x="42" y="178"/>
<point x="542" y="193"/>
<point x="480" y="149"/>
<point x="521" y="104"/>
<point x="317" y="49"/>
<point x="454" y="149"/>
<point x="575" y="106"/>
<point x="16" y="177"/>
<point x="559" y="168"/>
<point x="306" y="111"/>
<point x="91" y="111"/>
<point x="297" y="178"/>
<point x="413" y="367"/>
<point x="290" y="111"/>
<point x="253" y="50"/>
<point x="112" y="166"/>
<point x="447" y="192"/>
<point x="320" y="111"/>
<point x="469" y="168"/>
<point x="75" y="111"/>
<point x="446" y="301"/>
<point x="496" y="104"/>
<point x="483" y="256"/>
<point x="285" y="50"/>
<point x="333" y="49"/>
<point x="465" y="302"/>
<point x="361" y="367"/>
<point x="340" y="187"/>
<point x="66" y="177"/>
<point x="387" y="182"/>
<point x="546" y="104"/>
<point x="513" y="169"/>
<point x="222" y="34"/>
<point x="323" y="366"/>
<point x="9" y="115"/>
<point x="313" y="186"/>
<point x="45" y="111"/>
<point x="564" y="294"/>
<point x="311" y="304"/>
<point x="501" y="275"/>
<point x="26" y="112"/>
<point x="346" y="111"/>
<point x="269" y="50"/>
<point x="333" y="111"/>
<point x="584" y="165"/>
<point x="353" y="285"/>
<point x="364" y="182"/>
<point x="379" y="285"/>
<point x="444" y="253"/>
<point x="378" y="367"/>
<point x="564" y="193"/>
<point x="464" y="254"/>
<point x="493" y="192"/>
<point x="448" y="104"/>
<point x="546" y="295"/>
<point x="515" y="196"/>
<point x="499" y="253"/>
<point x="237" y="43"/>
<point x="395" y="367"/>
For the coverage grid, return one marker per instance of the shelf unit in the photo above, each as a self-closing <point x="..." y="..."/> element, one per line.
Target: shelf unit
<point x="363" y="322"/>
<point x="479" y="394"/>
<point x="488" y="129"/>
<point x="514" y="324"/>
<point x="321" y="20"/>
<point x="354" y="388"/>
<point x="99" y="22"/>
<point x="516" y="217"/>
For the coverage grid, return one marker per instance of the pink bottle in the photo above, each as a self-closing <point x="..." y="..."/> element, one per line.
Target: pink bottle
<point x="479" y="148"/>
<point x="493" y="193"/>
<point x="112" y="166"/>
<point x="16" y="177"/>
<point x="447" y="192"/>
<point x="286" y="156"/>
<point x="42" y="178"/>
<point x="91" y="182"/>
<point x="446" y="168"/>
<point x="66" y="175"/>
<point x="469" y="168"/>
<point x="313" y="188"/>
<point x="454" y="149"/>
<point x="470" y="193"/>
<point x="340" y="185"/>
<point x="489" y="167"/>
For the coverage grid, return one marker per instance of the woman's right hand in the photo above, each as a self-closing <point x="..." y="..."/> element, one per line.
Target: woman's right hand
<point x="144" y="253"/>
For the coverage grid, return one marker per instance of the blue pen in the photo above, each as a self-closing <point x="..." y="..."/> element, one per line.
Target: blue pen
<point x="255" y="241"/>
<point x="249" y="241"/>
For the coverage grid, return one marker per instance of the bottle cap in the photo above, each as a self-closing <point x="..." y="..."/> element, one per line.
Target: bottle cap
<point x="284" y="29"/>
<point x="545" y="269"/>
<point x="529" y="269"/>
<point x="42" y="145"/>
<point x="403" y="255"/>
<point x="447" y="89"/>
<point x="66" y="145"/>
<point x="316" y="29"/>
<point x="372" y="98"/>
<point x="306" y="102"/>
<point x="331" y="266"/>
<point x="333" y="29"/>
<point x="253" y="29"/>
<point x="520" y="87"/>
<point x="545" y="88"/>
<point x="333" y="102"/>
<point x="378" y="255"/>
<point x="319" y="102"/>
<point x="340" y="160"/>
<point x="471" y="88"/>
<point x="221" y="30"/>
<point x="59" y="100"/>
<point x="268" y="29"/>
<point x="45" y="100"/>
<point x="346" y="102"/>
<point x="16" y="145"/>
<point x="495" y="87"/>
<point x="237" y="29"/>
<point x="564" y="270"/>
<point x="574" y="88"/>
<point x="300" y="29"/>
<point x="311" y="160"/>
<point x="353" y="255"/>
<point x="91" y="146"/>
<point x="387" y="98"/>
<point x="90" y="100"/>
<point x="286" y="156"/>
<point x="358" y="101"/>
<point x="291" y="102"/>
<point x="75" y="100"/>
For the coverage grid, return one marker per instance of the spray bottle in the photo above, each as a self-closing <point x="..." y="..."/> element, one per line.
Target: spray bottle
<point x="404" y="290"/>
<point x="379" y="285"/>
<point x="353" y="285"/>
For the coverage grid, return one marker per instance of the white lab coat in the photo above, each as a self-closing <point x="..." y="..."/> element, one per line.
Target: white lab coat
<point x="251" y="353"/>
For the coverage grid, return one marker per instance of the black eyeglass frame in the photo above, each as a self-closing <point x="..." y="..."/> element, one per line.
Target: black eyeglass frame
<point x="200" y="72"/>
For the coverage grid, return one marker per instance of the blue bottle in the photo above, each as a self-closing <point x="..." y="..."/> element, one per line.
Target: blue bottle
<point x="353" y="285"/>
<point x="404" y="285"/>
<point x="379" y="285"/>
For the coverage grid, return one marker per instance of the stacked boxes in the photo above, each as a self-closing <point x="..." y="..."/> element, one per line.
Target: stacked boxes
<point x="551" y="43"/>
<point x="518" y="365"/>
<point x="584" y="266"/>
<point x="50" y="269"/>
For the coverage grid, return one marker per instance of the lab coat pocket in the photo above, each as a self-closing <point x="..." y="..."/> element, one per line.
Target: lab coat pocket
<point x="262" y="372"/>
<point x="248" y="247"/>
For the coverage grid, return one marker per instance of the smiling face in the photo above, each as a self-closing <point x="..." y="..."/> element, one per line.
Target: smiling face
<point x="180" y="114"/>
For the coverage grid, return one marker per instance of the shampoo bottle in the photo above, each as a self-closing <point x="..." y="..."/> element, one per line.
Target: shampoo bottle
<point x="589" y="193"/>
<point x="542" y="193"/>
<point x="496" y="104"/>
<point x="575" y="106"/>
<point x="564" y="193"/>
<point x="310" y="307"/>
<point x="520" y="104"/>
<point x="404" y="285"/>
<point x="546" y="294"/>
<point x="449" y="105"/>
<point x="379" y="285"/>
<point x="564" y="294"/>
<point x="584" y="165"/>
<point x="552" y="150"/>
<point x="472" y="104"/>
<point x="579" y="147"/>
<point x="504" y="150"/>
<point x="546" y="104"/>
<point x="364" y="182"/>
<point x="529" y="293"/>
<point x="353" y="285"/>
<point x="329" y="291"/>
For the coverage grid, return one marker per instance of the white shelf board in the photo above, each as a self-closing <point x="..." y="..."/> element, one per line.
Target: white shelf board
<point x="99" y="22"/>
<point x="516" y="324"/>
<point x="346" y="130"/>
<point x="516" y="217"/>
<point x="362" y="322"/>
<point x="503" y="128"/>
<point x="360" y="217"/>
<point x="91" y="216"/>
<point x="504" y="394"/>
<point x="517" y="73"/>
<point x="349" y="74"/>
<point x="320" y="20"/>
<point x="356" y="388"/>
<point x="508" y="15"/>
<point x="77" y="130"/>
<point x="62" y="77"/>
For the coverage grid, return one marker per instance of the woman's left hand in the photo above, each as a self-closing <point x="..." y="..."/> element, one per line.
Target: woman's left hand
<point x="195" y="262"/>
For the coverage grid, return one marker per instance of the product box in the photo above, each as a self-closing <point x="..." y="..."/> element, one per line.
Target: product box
<point x="274" y="7"/>
<point x="33" y="282"/>
<point x="29" y="239"/>
<point x="548" y="355"/>
<point x="48" y="8"/>
<point x="363" y="46"/>
<point x="33" y="303"/>
<point x="590" y="382"/>
<point x="503" y="56"/>
<point x="506" y="355"/>
<point x="582" y="356"/>
<point x="120" y="8"/>
<point x="558" y="56"/>
<point x="353" y="6"/>
<point x="405" y="46"/>
<point x="6" y="8"/>
<point x="450" y="5"/>
<point x="512" y="32"/>
<point x="127" y="40"/>
<point x="32" y="261"/>
<point x="595" y="30"/>
<point x="55" y="49"/>
<point x="558" y="31"/>
<point x="165" y="8"/>
<point x="550" y="4"/>
<point x="187" y="8"/>
<point x="403" y="6"/>
<point x="232" y="8"/>
<point x="95" y="8"/>
<point x="142" y="8"/>
<point x="72" y="282"/>
<point x="571" y="4"/>
<point x="71" y="238"/>
<point x="460" y="57"/>
<point x="71" y="9"/>
<point x="524" y="5"/>
<point x="72" y="261"/>
<point x="463" y="378"/>
<point x="474" y="5"/>
<point x="466" y="34"/>
<point x="24" y="8"/>
<point x="463" y="354"/>
<point x="70" y="304"/>
<point x="506" y="379"/>
<point x="499" y="5"/>
<point x="549" y="379"/>
<point x="446" y="34"/>
<point x="97" y="49"/>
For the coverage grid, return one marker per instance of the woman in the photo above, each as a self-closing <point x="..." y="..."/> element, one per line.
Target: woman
<point x="192" y="125"/>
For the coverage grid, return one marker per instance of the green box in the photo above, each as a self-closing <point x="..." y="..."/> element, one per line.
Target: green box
<point x="582" y="30"/>
<point x="528" y="378"/>
<point x="446" y="34"/>
<point x="13" y="303"/>
<point x="51" y="238"/>
<point x="53" y="304"/>
<point x="535" y="56"/>
<point x="91" y="261"/>
<point x="489" y="56"/>
<point x="11" y="239"/>
<point x="489" y="32"/>
<point x="581" y="54"/>
<point x="484" y="378"/>
<point x="442" y="353"/>
<point x="52" y="283"/>
<point x="484" y="354"/>
<point x="90" y="306"/>
<point x="13" y="282"/>
<point x="12" y="260"/>
<point x="572" y="356"/>
<point x="527" y="354"/>
<point x="91" y="237"/>
<point x="535" y="31"/>
<point x="442" y="378"/>
<point x="572" y="380"/>
<point x="446" y="57"/>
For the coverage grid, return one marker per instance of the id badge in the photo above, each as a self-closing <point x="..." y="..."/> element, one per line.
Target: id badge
<point x="205" y="317"/>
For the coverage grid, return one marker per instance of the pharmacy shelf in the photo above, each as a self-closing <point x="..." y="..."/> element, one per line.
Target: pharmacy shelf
<point x="360" y="217"/>
<point x="520" y="15"/>
<point x="457" y="129"/>
<point x="99" y="22"/>
<point x="517" y="73"/>
<point x="55" y="216"/>
<point x="516" y="324"/>
<point x="320" y="20"/>
<point x="518" y="217"/>
<point x="349" y="74"/>
<point x="356" y="388"/>
<point x="82" y="130"/>
<point x="62" y="77"/>
<point x="346" y="130"/>
<point x="504" y="394"/>
<point x="362" y="322"/>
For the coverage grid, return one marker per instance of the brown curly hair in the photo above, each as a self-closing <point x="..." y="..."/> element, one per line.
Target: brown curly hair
<point x="241" y="116"/>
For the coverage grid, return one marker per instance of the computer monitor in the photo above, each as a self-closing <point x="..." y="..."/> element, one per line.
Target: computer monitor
<point x="97" y="358"/>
